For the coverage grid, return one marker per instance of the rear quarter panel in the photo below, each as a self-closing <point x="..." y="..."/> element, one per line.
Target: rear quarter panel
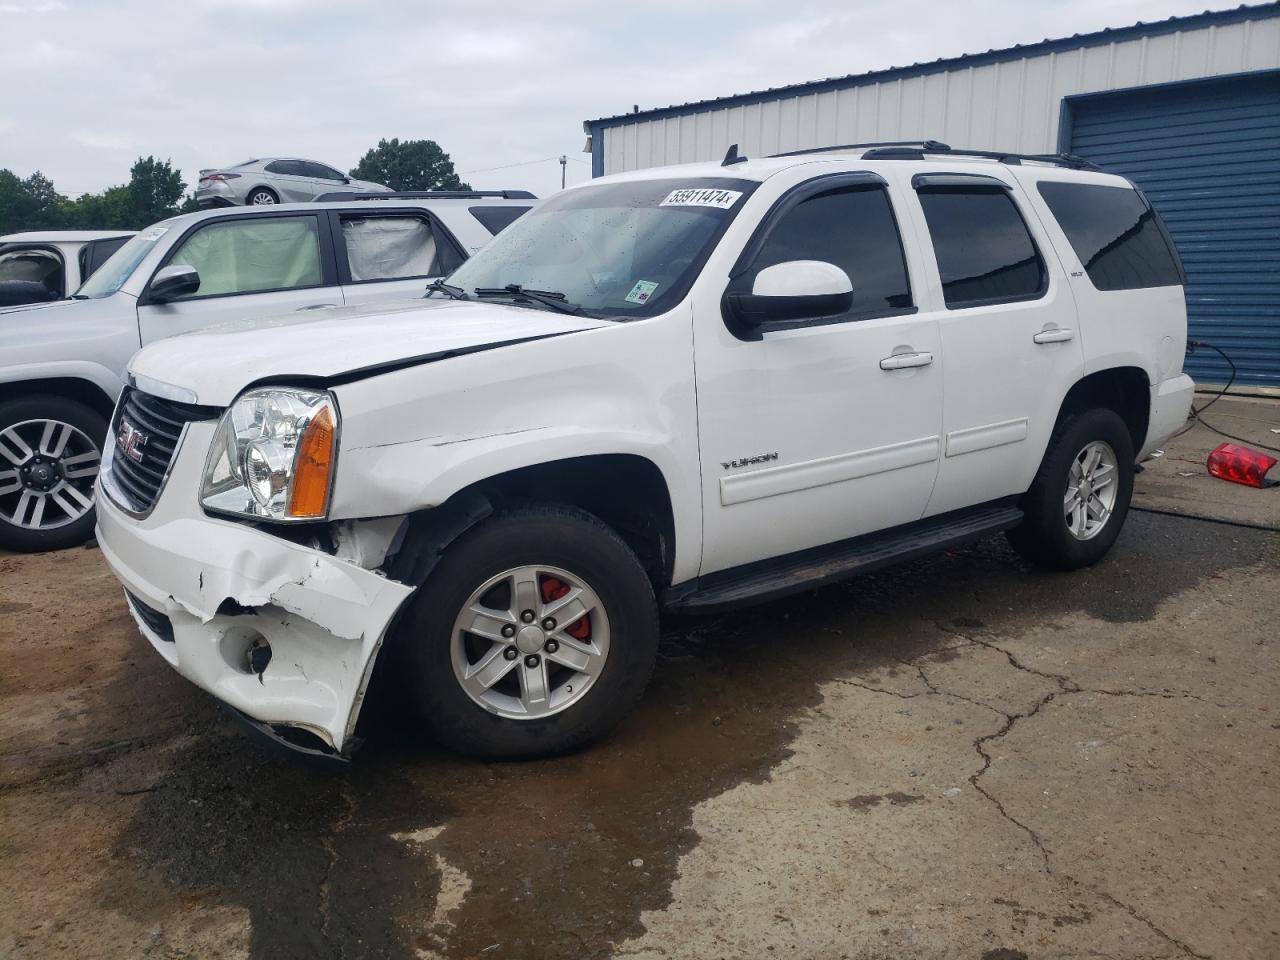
<point x="1144" y="328"/>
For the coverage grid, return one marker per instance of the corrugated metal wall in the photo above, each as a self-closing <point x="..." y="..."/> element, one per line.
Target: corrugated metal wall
<point x="1010" y="105"/>
<point x="1208" y="156"/>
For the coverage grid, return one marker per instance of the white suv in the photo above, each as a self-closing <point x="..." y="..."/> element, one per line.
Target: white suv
<point x="690" y="388"/>
<point x="62" y="364"/>
<point x="45" y="265"/>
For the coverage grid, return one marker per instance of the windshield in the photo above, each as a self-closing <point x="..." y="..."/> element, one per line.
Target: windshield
<point x="111" y="276"/>
<point x="617" y="250"/>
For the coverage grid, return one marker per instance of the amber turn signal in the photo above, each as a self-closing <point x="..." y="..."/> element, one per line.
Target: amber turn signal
<point x="313" y="467"/>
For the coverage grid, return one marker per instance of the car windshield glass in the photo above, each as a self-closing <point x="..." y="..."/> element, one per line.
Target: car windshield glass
<point x="111" y="276"/>
<point x="617" y="250"/>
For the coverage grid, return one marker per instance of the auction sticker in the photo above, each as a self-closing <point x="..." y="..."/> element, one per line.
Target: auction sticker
<point x="701" y="197"/>
<point x="641" y="292"/>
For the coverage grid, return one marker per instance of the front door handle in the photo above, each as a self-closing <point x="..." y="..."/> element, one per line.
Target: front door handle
<point x="1056" y="335"/>
<point x="901" y="361"/>
<point x="315" y="306"/>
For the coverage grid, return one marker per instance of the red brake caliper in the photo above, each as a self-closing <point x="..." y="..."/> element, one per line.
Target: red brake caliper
<point x="553" y="588"/>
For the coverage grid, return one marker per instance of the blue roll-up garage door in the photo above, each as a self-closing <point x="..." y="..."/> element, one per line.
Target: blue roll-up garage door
<point x="1208" y="156"/>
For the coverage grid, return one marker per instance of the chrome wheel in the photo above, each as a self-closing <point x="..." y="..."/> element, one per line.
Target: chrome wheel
<point x="1091" y="490"/>
<point x="47" y="472"/>
<point x="530" y="642"/>
<point x="262" y="199"/>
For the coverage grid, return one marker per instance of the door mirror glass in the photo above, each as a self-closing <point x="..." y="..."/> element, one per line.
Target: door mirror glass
<point x="792" y="291"/>
<point x="174" y="281"/>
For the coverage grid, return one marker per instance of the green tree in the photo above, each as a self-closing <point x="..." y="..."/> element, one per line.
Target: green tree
<point x="29" y="204"/>
<point x="409" y="165"/>
<point x="155" y="189"/>
<point x="110" y="210"/>
<point x="16" y="204"/>
<point x="46" y="200"/>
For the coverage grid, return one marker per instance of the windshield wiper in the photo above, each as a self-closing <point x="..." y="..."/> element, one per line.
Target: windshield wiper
<point x="79" y="296"/>
<point x="448" y="289"/>
<point x="548" y="298"/>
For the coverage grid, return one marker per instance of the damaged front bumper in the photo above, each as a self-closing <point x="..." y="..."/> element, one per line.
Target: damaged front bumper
<point x="209" y="594"/>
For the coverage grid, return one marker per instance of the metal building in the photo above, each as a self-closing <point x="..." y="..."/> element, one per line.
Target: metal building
<point x="1189" y="108"/>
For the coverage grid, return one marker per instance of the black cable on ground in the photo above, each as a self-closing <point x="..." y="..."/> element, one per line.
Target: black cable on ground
<point x="1232" y="436"/>
<point x="1197" y="414"/>
<point x="1196" y="516"/>
<point x="1191" y="348"/>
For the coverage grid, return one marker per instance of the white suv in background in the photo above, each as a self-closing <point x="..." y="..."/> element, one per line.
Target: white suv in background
<point x="691" y="388"/>
<point x="44" y="265"/>
<point x="62" y="363"/>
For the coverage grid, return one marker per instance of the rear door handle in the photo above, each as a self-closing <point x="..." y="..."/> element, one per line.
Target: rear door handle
<point x="316" y="306"/>
<point x="901" y="361"/>
<point x="1056" y="335"/>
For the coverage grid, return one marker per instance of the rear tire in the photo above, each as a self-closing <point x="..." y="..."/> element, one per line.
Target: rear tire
<point x="50" y="449"/>
<point x="491" y="567"/>
<point x="1080" y="497"/>
<point x="261" y="197"/>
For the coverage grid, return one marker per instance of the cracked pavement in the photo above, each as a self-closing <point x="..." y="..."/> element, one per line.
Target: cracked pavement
<point x="957" y="758"/>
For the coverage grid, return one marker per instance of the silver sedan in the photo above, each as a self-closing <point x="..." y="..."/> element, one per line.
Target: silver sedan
<point x="278" y="180"/>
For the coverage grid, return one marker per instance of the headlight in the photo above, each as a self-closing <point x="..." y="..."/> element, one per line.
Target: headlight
<point x="273" y="456"/>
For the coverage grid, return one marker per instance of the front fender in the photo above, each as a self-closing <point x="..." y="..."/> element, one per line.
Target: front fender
<point x="102" y="377"/>
<point x="413" y="438"/>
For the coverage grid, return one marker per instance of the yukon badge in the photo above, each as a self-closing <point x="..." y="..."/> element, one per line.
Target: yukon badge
<point x="130" y="440"/>
<point x="748" y="461"/>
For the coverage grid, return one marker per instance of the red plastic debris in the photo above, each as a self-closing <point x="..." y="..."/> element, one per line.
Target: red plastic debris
<point x="1230" y="461"/>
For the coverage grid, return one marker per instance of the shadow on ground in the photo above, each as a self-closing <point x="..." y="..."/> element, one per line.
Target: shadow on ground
<point x="560" y="858"/>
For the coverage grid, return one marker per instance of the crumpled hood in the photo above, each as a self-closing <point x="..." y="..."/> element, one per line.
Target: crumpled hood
<point x="218" y="363"/>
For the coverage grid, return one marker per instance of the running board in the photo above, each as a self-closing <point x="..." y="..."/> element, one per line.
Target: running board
<point x="796" y="572"/>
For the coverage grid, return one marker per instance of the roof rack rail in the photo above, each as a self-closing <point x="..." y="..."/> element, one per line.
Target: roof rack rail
<point x="916" y="150"/>
<point x="933" y="146"/>
<point x="342" y="195"/>
<point x="904" y="152"/>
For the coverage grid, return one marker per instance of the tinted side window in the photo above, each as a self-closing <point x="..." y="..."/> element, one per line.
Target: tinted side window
<point x="100" y="252"/>
<point x="292" y="168"/>
<point x="1115" y="235"/>
<point x="320" y="171"/>
<point x="984" y="250"/>
<point x="254" y="255"/>
<point x="854" y="228"/>
<point x="494" y="219"/>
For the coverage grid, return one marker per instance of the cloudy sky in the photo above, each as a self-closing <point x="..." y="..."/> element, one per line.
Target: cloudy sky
<point x="89" y="85"/>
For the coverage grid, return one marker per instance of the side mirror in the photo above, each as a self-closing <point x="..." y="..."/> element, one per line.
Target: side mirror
<point x="792" y="291"/>
<point x="174" y="281"/>
<point x="346" y="180"/>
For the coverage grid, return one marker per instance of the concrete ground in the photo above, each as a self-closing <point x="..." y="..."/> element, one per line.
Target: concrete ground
<point x="957" y="758"/>
<point x="1179" y="482"/>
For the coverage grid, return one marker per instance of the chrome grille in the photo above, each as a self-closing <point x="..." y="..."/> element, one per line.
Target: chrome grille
<point x="145" y="432"/>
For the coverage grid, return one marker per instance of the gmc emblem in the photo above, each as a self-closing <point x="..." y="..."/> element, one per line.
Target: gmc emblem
<point x="130" y="440"/>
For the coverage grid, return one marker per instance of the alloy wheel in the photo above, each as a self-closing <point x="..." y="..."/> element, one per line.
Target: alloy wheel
<point x="530" y="642"/>
<point x="263" y="199"/>
<point x="1091" y="490"/>
<point x="47" y="472"/>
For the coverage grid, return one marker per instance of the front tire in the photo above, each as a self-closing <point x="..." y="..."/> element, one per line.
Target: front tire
<point x="534" y="636"/>
<point x="50" y="450"/>
<point x="1079" y="499"/>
